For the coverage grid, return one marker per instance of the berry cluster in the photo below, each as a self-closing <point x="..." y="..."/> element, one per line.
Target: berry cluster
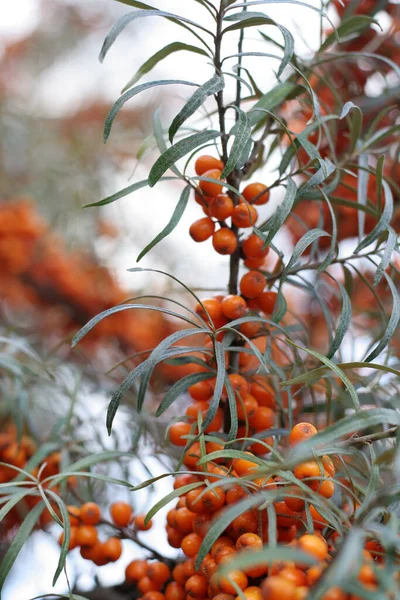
<point x="219" y="207"/>
<point x="84" y="522"/>
<point x="196" y="510"/>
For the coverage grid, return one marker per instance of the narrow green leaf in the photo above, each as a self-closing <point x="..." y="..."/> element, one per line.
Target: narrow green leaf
<point x="219" y="384"/>
<point x="316" y="374"/>
<point x="242" y="132"/>
<point x="128" y="18"/>
<point x="178" y="388"/>
<point x="267" y="556"/>
<point x="210" y="88"/>
<point x="356" y="423"/>
<point x="121" y="194"/>
<point x="120" y="307"/>
<point x="19" y="540"/>
<point x="171" y="496"/>
<point x="178" y="151"/>
<point x="134" y="92"/>
<point x="282" y="212"/>
<point x="387" y="255"/>
<point x="13" y="501"/>
<point x="348" y="27"/>
<point x="303" y="243"/>
<point x="356" y="124"/>
<point x="95" y="459"/>
<point x="335" y="369"/>
<point x="176" y="217"/>
<point x="392" y="324"/>
<point x="344" y="322"/>
<point x="160" y="55"/>
<point x="270" y="100"/>
<point x="319" y="177"/>
<point x="253" y="19"/>
<point x="67" y="536"/>
<point x="362" y="191"/>
<point x="383" y="222"/>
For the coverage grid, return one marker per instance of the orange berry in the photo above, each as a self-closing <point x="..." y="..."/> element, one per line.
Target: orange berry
<point x="301" y="432"/>
<point x="153" y="595"/>
<point x="308" y="469"/>
<point x="284" y="516"/>
<point x="74" y="513"/>
<point x="145" y="584"/>
<point x="244" y="466"/>
<point x="253" y="247"/>
<point x="236" y="576"/>
<point x="224" y="241"/>
<point x="314" y="545"/>
<point x="196" y="587"/>
<point x="249" y="541"/>
<point x="202" y="229"/>
<point x="296" y="576"/>
<point x="186" y="479"/>
<point x="112" y="549"/>
<point x="72" y="538"/>
<point x="158" y="572"/>
<point x="86" y="535"/>
<point x="264" y="394"/>
<point x="135" y="570"/>
<point x="319" y="521"/>
<point x="266" y="302"/>
<point x="174" y="537"/>
<point x="201" y="391"/>
<point x="121" y="513"/>
<point x="262" y="418"/>
<point x="94" y="553"/>
<point x="221" y="542"/>
<point x="211" y="188"/>
<point x="192" y="456"/>
<point x="244" y="215"/>
<point x="208" y="566"/>
<point x="234" y="494"/>
<point x="213" y="499"/>
<point x="239" y="384"/>
<point x="250" y="329"/>
<point x="191" y="544"/>
<point x="252" y="284"/>
<point x="335" y="593"/>
<point x="254" y="263"/>
<point x="256" y="193"/>
<point x="206" y="162"/>
<point x="177" y="431"/>
<point x="278" y="588"/>
<point x="328" y="465"/>
<point x="90" y="513"/>
<point x="314" y="573"/>
<point x="233" y="307"/>
<point x="327" y="488"/>
<point x="247" y="522"/>
<point x="221" y="207"/>
<point x="140" y="524"/>
<point x="252" y="593"/>
<point x="246" y="407"/>
<point x="174" y="591"/>
<point x="210" y="306"/>
<point x="201" y="524"/>
<point x="287" y="534"/>
<point x="184" y="520"/>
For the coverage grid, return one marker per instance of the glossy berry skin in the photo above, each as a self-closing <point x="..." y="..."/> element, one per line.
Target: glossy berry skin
<point x="256" y="193"/>
<point x="244" y="215"/>
<point x="233" y="307"/>
<point x="221" y="207"/>
<point x="224" y="241"/>
<point x="202" y="229"/>
<point x="121" y="513"/>
<point x="211" y="188"/>
<point x="90" y="513"/>
<point x="253" y="247"/>
<point x="206" y="163"/>
<point x="252" y="284"/>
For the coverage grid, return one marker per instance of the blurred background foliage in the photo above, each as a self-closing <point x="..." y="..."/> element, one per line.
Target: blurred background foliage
<point x="61" y="265"/>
